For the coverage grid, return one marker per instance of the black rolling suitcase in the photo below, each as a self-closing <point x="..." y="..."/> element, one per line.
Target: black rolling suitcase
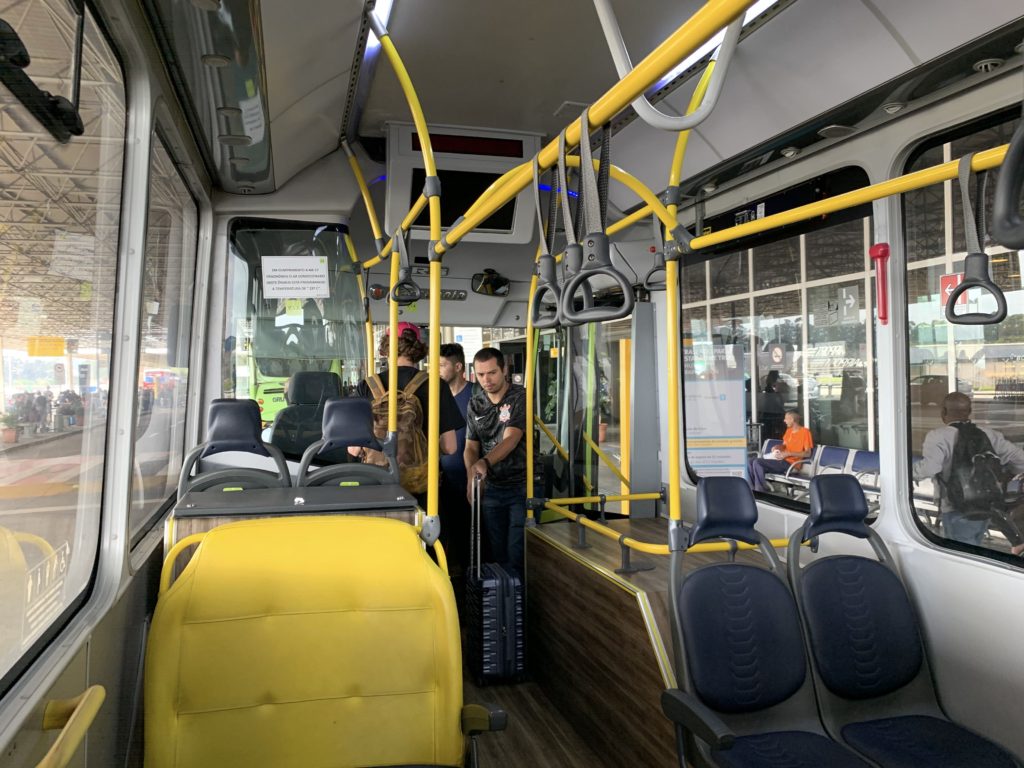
<point x="495" y="636"/>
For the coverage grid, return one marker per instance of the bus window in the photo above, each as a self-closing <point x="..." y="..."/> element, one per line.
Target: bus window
<point x="282" y="322"/>
<point x="169" y="284"/>
<point x="958" y="367"/>
<point x="788" y="329"/>
<point x="58" y="261"/>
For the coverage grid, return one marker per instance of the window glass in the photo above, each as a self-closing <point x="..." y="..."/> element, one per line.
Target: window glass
<point x="924" y="213"/>
<point x="807" y="348"/>
<point x="694" y="282"/>
<point x="169" y="284"/>
<point x="729" y="275"/>
<point x="835" y="251"/>
<point x="964" y="373"/>
<point x="58" y="258"/>
<point x="777" y="264"/>
<point x="274" y="332"/>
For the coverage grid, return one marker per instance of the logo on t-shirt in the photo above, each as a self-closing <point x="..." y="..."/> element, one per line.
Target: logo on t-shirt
<point x="505" y="414"/>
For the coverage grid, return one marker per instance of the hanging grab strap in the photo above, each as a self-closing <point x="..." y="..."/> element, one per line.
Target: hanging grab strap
<point x="1007" y="222"/>
<point x="596" y="257"/>
<point x="976" y="270"/>
<point x="547" y="275"/>
<point x="405" y="291"/>
<point x="659" y="260"/>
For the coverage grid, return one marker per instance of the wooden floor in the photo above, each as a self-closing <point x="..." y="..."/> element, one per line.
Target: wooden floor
<point x="538" y="735"/>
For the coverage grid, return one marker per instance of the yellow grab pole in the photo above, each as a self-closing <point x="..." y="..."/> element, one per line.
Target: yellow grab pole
<point x="530" y="374"/>
<point x="982" y="161"/>
<point x="554" y="440"/>
<point x="625" y="402"/>
<point x="672" y="390"/>
<point x="393" y="347"/>
<point x="638" y="215"/>
<point x="712" y="16"/>
<point x="434" y="379"/>
<point x="371" y="211"/>
<point x="640" y="189"/>
<point x="676" y="171"/>
<point x="410" y="217"/>
<point x="368" y="320"/>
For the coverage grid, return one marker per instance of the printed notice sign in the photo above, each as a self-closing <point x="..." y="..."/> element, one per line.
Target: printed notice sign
<point x="716" y="442"/>
<point x="295" y="277"/>
<point x="44" y="591"/>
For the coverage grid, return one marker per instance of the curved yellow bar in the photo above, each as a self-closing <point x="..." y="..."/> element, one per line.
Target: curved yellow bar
<point x="393" y="346"/>
<point x="637" y="187"/>
<point x="73" y="717"/>
<point x="638" y="215"/>
<point x="442" y="559"/>
<point x="410" y="217"/>
<point x="168" y="567"/>
<point x="712" y="16"/>
<point x="676" y="171"/>
<point x="554" y="440"/>
<point x="368" y="322"/>
<point x="639" y="546"/>
<point x="982" y="161"/>
<point x="371" y="210"/>
<point x="604" y="458"/>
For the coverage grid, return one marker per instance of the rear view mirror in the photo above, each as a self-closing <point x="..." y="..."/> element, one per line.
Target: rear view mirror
<point x="490" y="283"/>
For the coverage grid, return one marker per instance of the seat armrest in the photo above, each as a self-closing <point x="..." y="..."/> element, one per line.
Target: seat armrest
<point x="795" y="464"/>
<point x="686" y="710"/>
<point x="480" y="718"/>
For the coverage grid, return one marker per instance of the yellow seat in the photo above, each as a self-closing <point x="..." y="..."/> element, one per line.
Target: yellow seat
<point x="318" y="642"/>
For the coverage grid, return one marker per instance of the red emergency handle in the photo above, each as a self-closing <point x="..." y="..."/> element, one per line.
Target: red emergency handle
<point x="880" y="255"/>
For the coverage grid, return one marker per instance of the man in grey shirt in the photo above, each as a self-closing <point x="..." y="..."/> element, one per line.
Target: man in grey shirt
<point x="936" y="461"/>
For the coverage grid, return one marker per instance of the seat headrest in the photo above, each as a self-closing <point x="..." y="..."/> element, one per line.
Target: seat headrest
<point x="234" y="425"/>
<point x="348" y="421"/>
<point x="837" y="505"/>
<point x="725" y="510"/>
<point x="312" y="387"/>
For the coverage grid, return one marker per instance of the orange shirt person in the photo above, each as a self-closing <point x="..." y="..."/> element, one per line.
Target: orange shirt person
<point x="797" y="444"/>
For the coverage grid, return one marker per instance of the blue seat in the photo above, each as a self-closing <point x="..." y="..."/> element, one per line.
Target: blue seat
<point x="347" y="422"/>
<point x="871" y="670"/>
<point x="745" y="698"/>
<point x="832" y="458"/>
<point x="233" y="426"/>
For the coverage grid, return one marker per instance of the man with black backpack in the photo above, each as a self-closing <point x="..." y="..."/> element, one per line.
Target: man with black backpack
<point x="966" y="462"/>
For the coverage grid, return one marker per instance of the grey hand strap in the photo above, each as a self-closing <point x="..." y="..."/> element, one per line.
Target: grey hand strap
<point x="563" y="192"/>
<point x="974" y="231"/>
<point x="544" y="248"/>
<point x="591" y="198"/>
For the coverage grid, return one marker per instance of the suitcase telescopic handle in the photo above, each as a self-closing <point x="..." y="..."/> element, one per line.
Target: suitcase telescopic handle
<point x="476" y="523"/>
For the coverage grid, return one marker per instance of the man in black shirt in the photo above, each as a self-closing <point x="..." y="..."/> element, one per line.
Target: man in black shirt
<point x="496" y="451"/>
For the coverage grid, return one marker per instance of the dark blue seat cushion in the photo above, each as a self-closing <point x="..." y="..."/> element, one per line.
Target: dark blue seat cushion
<point x="915" y="741"/>
<point x="744" y="648"/>
<point x="837" y="505"/>
<point x="863" y="630"/>
<point x="786" y="749"/>
<point x="725" y="510"/>
<point x="234" y="425"/>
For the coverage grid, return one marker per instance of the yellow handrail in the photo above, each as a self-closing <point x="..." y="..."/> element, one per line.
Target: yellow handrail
<point x="442" y="560"/>
<point x="410" y="217"/>
<point x="393" y="346"/>
<point x="434" y="389"/>
<point x="73" y="717"/>
<point x="530" y="376"/>
<point x="625" y="408"/>
<point x="554" y="440"/>
<point x="656" y="549"/>
<point x="371" y="210"/>
<point x="168" y="566"/>
<point x="608" y="497"/>
<point x="982" y="161"/>
<point x="711" y="17"/>
<point x="604" y="458"/>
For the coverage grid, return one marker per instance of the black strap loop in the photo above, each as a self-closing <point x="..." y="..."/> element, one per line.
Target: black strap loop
<point x="405" y="291"/>
<point x="659" y="260"/>
<point x="976" y="266"/>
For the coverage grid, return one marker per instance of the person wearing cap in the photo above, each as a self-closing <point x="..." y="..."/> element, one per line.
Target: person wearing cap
<point x="411" y="350"/>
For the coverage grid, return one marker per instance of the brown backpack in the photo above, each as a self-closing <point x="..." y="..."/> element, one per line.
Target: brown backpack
<point x="412" y="443"/>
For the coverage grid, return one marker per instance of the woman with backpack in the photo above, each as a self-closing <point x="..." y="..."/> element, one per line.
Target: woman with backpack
<point x="413" y="401"/>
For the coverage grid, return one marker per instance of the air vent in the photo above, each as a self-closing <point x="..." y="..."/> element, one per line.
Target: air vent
<point x="836" y="131"/>
<point x="987" y="65"/>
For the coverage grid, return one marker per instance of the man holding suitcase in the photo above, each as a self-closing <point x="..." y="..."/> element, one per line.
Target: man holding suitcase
<point x="496" y="452"/>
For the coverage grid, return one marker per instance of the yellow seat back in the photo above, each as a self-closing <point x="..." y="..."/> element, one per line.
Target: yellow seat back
<point x="318" y="642"/>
